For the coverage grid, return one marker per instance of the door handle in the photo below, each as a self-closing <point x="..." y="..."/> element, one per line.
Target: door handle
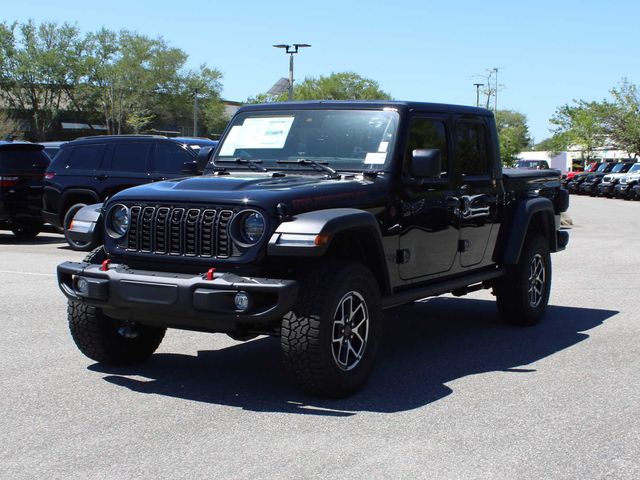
<point x="100" y="177"/>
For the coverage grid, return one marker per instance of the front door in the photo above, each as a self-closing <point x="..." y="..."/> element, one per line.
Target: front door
<point x="428" y="238"/>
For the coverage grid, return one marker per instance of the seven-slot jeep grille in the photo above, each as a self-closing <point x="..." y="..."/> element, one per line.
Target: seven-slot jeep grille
<point x="180" y="231"/>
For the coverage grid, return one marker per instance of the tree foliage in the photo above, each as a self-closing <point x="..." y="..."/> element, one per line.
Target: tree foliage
<point x="580" y="125"/>
<point x="123" y="79"/>
<point x="513" y="134"/>
<point x="337" y="86"/>
<point x="621" y="117"/>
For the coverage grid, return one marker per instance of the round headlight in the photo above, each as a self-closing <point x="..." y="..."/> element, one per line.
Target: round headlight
<point x="119" y="219"/>
<point x="252" y="227"/>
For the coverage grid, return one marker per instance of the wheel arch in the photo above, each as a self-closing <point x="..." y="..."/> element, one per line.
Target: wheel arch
<point x="340" y="232"/>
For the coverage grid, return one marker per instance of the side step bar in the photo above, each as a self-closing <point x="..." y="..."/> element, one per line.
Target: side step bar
<point x="439" y="288"/>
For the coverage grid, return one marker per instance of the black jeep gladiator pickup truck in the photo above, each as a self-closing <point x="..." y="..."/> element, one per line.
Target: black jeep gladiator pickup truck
<point x="310" y="220"/>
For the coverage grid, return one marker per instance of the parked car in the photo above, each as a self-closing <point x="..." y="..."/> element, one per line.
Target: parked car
<point x="574" y="186"/>
<point x="591" y="167"/>
<point x="590" y="184"/>
<point x="625" y="187"/>
<point x="22" y="167"/>
<point x="89" y="170"/>
<point x="51" y="148"/>
<point x="606" y="187"/>
<point x="532" y="164"/>
<point x="310" y="220"/>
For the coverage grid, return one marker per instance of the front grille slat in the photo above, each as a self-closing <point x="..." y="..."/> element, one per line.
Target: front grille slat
<point x="178" y="231"/>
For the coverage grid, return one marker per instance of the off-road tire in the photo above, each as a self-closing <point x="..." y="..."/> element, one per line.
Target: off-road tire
<point x="96" y="256"/>
<point x="25" y="231"/>
<point x="308" y="331"/>
<point x="97" y="336"/>
<point x="513" y="290"/>
<point x="66" y="224"/>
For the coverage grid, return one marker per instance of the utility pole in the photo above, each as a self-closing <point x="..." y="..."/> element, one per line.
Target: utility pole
<point x="195" y="113"/>
<point x="495" y="97"/>
<point x="291" y="50"/>
<point x="478" y="85"/>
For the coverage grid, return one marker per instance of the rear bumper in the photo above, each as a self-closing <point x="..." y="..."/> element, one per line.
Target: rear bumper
<point x="179" y="300"/>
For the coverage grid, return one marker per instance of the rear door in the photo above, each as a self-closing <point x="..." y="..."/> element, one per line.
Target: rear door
<point x="128" y="166"/>
<point x="476" y="171"/>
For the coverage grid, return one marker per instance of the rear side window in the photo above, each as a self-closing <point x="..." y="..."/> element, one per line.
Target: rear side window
<point x="84" y="157"/>
<point x="169" y="158"/>
<point x="20" y="161"/>
<point x="473" y="157"/>
<point x="429" y="134"/>
<point x="130" y="157"/>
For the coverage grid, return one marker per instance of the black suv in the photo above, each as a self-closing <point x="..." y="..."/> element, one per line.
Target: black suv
<point x="89" y="170"/>
<point x="22" y="167"/>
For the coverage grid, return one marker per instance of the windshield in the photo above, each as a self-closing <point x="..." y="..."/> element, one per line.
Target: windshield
<point x="635" y="168"/>
<point x="618" y="168"/>
<point x="352" y="140"/>
<point x="531" y="164"/>
<point x="602" y="167"/>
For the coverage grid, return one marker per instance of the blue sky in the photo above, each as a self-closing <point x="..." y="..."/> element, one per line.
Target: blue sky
<point x="548" y="52"/>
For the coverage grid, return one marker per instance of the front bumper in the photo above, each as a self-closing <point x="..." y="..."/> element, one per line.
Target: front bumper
<point x="179" y="300"/>
<point x="622" y="189"/>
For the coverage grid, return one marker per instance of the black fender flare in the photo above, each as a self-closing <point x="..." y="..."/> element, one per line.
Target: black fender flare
<point x="518" y="226"/>
<point x="80" y="192"/>
<point x="311" y="235"/>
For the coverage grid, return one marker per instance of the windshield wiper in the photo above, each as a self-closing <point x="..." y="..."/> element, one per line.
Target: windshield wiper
<point x="317" y="166"/>
<point x="252" y="164"/>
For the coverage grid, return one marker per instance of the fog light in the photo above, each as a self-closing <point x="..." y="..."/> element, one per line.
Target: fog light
<point x="242" y="301"/>
<point x="82" y="286"/>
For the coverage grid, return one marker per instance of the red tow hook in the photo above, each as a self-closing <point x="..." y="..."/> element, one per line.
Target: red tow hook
<point x="210" y="273"/>
<point x="105" y="265"/>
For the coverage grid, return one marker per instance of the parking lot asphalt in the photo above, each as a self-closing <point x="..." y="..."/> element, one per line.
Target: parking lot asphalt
<point x="456" y="394"/>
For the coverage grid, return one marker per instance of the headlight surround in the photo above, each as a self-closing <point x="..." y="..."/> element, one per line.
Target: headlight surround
<point x="118" y="221"/>
<point x="248" y="227"/>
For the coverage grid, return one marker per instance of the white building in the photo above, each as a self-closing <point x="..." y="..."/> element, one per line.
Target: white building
<point x="572" y="158"/>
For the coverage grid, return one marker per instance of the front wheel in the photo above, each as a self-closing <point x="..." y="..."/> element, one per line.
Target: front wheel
<point x="110" y="341"/>
<point x="523" y="292"/>
<point x="330" y="338"/>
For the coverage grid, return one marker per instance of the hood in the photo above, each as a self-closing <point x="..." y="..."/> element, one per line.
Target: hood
<point x="262" y="189"/>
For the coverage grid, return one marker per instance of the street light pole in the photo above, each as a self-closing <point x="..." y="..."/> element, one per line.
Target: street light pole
<point x="291" y="50"/>
<point x="495" y="97"/>
<point x="478" y="85"/>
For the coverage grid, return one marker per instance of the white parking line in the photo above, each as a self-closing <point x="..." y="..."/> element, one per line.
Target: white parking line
<point x="29" y="273"/>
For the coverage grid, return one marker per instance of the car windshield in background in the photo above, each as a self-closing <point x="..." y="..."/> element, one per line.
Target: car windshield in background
<point x="530" y="164"/>
<point x="617" y="168"/>
<point x="350" y="140"/>
<point x="602" y="167"/>
<point x="635" y="168"/>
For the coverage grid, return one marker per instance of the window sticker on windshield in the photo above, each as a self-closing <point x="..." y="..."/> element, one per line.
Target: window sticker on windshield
<point x="375" y="158"/>
<point x="382" y="148"/>
<point x="261" y="132"/>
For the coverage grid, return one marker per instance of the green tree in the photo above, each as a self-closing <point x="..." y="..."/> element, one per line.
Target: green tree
<point x="513" y="134"/>
<point x="621" y="118"/>
<point x="580" y="125"/>
<point x="337" y="86"/>
<point x="37" y="64"/>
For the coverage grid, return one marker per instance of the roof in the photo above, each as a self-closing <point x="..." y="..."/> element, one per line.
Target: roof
<point x="19" y="146"/>
<point x="371" y="104"/>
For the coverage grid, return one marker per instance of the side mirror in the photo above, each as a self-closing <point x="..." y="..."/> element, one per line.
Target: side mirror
<point x="203" y="157"/>
<point x="425" y="163"/>
<point x="190" y="168"/>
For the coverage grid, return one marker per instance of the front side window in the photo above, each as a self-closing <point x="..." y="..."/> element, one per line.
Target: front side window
<point x="354" y="140"/>
<point x="170" y="158"/>
<point x="130" y="157"/>
<point x="429" y="134"/>
<point x="473" y="158"/>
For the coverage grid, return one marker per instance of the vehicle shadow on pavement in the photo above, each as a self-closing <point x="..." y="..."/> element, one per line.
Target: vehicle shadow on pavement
<point x="8" y="238"/>
<point x="425" y="346"/>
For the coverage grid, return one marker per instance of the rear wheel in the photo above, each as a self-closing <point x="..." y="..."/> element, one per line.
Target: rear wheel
<point x="523" y="292"/>
<point x="330" y="338"/>
<point x="81" y="246"/>
<point x="110" y="341"/>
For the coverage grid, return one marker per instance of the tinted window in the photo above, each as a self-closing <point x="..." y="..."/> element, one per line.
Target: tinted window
<point x="85" y="157"/>
<point x="130" y="157"/>
<point x="425" y="133"/>
<point x="22" y="161"/>
<point x="473" y="158"/>
<point x="170" y="157"/>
